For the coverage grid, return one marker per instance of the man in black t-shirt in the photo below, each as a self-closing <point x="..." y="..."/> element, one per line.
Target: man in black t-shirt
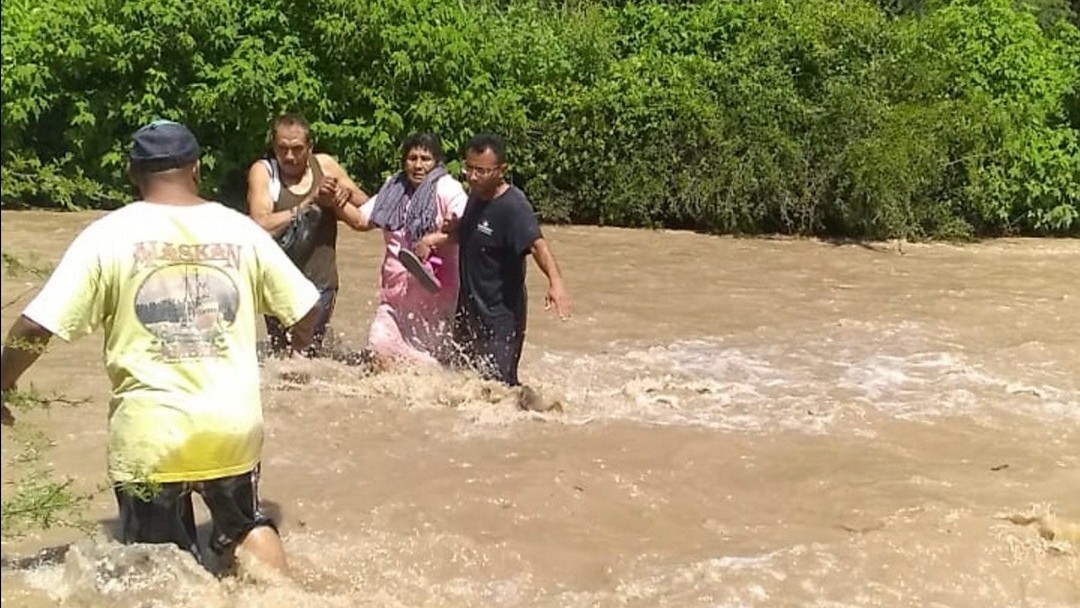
<point x="496" y="232"/>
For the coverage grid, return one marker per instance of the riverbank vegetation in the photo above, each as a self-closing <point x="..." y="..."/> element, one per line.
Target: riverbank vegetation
<point x="843" y="118"/>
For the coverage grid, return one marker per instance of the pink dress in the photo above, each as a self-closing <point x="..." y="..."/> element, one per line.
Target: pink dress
<point x="410" y="322"/>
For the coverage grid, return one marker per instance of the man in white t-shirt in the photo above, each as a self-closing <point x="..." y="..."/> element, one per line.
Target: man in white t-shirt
<point x="177" y="283"/>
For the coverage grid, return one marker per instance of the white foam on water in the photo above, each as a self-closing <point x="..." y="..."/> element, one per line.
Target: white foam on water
<point x="928" y="554"/>
<point x="484" y="407"/>
<point x="813" y="382"/>
<point x="369" y="568"/>
<point x="445" y="571"/>
<point x="920" y="557"/>
<point x="828" y="379"/>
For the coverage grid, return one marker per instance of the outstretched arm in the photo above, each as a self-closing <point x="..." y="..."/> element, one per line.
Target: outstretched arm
<point x="556" y="294"/>
<point x="344" y="195"/>
<point x="354" y="217"/>
<point x="303" y="332"/>
<point x="343" y="189"/>
<point x="25" y="342"/>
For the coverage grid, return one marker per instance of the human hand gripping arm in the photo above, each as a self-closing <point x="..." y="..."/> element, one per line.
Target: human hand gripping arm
<point x="446" y="234"/>
<point x="344" y="196"/>
<point x="430" y="243"/>
<point x="342" y="190"/>
<point x="25" y="342"/>
<point x="556" y="296"/>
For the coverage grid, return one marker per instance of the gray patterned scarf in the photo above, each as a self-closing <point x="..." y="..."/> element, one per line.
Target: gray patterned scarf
<point x="390" y="211"/>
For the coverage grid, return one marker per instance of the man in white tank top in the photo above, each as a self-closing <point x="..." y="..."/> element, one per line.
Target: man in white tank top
<point x="296" y="185"/>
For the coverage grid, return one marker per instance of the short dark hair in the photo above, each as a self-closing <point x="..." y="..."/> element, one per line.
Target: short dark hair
<point x="289" y="119"/>
<point x="425" y="141"/>
<point x="482" y="142"/>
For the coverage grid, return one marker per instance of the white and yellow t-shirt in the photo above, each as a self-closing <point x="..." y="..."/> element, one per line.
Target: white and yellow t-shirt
<point x="178" y="291"/>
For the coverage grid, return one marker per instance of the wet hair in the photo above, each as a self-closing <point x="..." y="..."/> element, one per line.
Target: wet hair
<point x="425" y="141"/>
<point x="290" y="119"/>
<point x="482" y="142"/>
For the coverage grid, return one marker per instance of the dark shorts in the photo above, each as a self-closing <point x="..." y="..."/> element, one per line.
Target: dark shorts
<point x="490" y="346"/>
<point x="278" y="334"/>
<point x="167" y="515"/>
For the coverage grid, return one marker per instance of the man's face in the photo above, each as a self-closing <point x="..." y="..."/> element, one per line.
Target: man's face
<point x="418" y="163"/>
<point x="484" y="173"/>
<point x="292" y="150"/>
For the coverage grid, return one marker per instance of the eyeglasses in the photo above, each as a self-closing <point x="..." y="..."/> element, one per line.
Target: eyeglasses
<point x="481" y="172"/>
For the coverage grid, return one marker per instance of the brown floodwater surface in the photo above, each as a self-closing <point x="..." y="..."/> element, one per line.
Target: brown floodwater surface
<point x="747" y="422"/>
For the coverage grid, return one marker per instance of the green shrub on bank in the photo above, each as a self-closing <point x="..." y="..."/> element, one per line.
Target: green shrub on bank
<point x="837" y="117"/>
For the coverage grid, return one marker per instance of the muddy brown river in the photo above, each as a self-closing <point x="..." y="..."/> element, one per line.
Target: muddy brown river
<point x="747" y="422"/>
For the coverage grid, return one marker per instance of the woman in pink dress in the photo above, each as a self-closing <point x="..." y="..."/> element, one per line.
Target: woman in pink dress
<point x="418" y="281"/>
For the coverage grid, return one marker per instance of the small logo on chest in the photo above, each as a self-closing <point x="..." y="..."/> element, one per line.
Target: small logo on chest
<point x="484" y="227"/>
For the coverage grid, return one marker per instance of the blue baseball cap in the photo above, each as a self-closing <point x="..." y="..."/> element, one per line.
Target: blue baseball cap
<point x="163" y="145"/>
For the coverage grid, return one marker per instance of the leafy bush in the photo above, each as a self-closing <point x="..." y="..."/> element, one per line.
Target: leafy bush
<point x="839" y="117"/>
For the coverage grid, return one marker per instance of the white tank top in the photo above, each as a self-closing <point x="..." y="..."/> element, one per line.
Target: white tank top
<point x="275" y="177"/>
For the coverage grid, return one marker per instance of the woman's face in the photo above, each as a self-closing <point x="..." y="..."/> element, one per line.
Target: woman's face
<point x="418" y="162"/>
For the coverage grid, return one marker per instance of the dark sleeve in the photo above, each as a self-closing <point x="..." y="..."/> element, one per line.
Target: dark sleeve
<point x="526" y="229"/>
<point x="468" y="220"/>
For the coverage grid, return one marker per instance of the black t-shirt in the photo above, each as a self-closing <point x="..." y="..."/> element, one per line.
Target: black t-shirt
<point x="495" y="237"/>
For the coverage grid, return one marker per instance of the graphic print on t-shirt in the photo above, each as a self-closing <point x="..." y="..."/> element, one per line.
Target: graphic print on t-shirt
<point x="188" y="307"/>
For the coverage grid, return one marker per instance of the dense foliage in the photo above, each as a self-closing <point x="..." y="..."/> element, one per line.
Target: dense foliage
<point x="914" y="118"/>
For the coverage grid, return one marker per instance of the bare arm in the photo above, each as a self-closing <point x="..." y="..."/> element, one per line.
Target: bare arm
<point x="347" y="192"/>
<point x="556" y="294"/>
<point x="343" y="195"/>
<point x="447" y="233"/>
<point x="260" y="206"/>
<point x="354" y="217"/>
<point x="431" y="242"/>
<point x="25" y="342"/>
<point x="303" y="332"/>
